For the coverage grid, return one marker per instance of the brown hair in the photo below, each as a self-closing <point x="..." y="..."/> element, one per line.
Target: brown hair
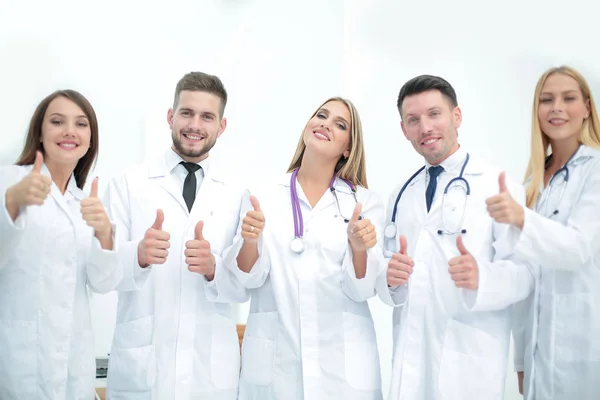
<point x="34" y="134"/>
<point x="201" y="82"/>
<point x="352" y="168"/>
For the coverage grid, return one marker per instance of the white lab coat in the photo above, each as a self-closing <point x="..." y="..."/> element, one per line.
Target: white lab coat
<point x="310" y="333"/>
<point x="48" y="256"/>
<point x="557" y="329"/>
<point x="174" y="338"/>
<point x="452" y="343"/>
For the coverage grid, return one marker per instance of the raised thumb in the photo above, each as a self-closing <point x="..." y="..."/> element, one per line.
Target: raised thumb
<point x="160" y="217"/>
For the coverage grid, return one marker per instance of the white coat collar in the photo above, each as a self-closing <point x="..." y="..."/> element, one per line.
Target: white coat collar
<point x="455" y="162"/>
<point x="582" y="155"/>
<point x="72" y="188"/>
<point x="163" y="164"/>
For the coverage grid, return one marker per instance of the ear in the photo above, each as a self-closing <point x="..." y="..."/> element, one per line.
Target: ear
<point x="170" y="115"/>
<point x="457" y="116"/>
<point x="222" y="126"/>
<point x="346" y="153"/>
<point x="587" y="107"/>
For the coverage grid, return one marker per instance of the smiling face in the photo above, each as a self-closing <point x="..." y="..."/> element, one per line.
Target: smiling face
<point x="196" y="124"/>
<point x="562" y="108"/>
<point x="431" y="123"/>
<point x="65" y="133"/>
<point x="328" y="131"/>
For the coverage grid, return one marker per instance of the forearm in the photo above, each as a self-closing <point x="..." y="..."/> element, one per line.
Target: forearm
<point x="247" y="256"/>
<point x="359" y="259"/>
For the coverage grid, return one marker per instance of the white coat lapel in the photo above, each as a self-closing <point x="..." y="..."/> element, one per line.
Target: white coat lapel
<point x="417" y="189"/>
<point x="59" y="197"/>
<point x="157" y="169"/>
<point x="203" y="207"/>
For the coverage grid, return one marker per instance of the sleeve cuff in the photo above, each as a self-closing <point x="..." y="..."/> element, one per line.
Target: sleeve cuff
<point x="256" y="276"/>
<point x="393" y="297"/>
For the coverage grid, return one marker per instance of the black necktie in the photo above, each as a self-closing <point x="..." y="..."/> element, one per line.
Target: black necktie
<point x="189" y="185"/>
<point x="430" y="192"/>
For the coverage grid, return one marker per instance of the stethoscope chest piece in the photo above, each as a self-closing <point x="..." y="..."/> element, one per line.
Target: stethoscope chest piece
<point x="390" y="231"/>
<point x="297" y="245"/>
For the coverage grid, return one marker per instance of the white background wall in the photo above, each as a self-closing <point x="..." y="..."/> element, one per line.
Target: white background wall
<point x="279" y="60"/>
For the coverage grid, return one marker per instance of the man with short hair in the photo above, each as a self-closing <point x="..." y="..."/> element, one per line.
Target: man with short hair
<point x="174" y="338"/>
<point x="451" y="273"/>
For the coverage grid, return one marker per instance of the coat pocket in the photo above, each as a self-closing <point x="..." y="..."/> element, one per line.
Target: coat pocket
<point x="471" y="366"/>
<point x="258" y="348"/>
<point x="224" y="353"/>
<point x="576" y="329"/>
<point x="361" y="358"/>
<point x="132" y="361"/>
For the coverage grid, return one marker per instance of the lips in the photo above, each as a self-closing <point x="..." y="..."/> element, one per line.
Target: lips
<point x="321" y="135"/>
<point x="557" y="121"/>
<point x="193" y="137"/>
<point x="68" y="145"/>
<point x="429" y="141"/>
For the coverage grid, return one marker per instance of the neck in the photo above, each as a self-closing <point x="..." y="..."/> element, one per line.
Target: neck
<point x="60" y="174"/>
<point x="562" y="150"/>
<point x="315" y="172"/>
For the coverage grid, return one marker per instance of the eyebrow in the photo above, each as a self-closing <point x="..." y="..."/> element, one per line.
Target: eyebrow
<point x="199" y="112"/>
<point x="62" y="115"/>
<point x="327" y="111"/>
<point x="563" y="92"/>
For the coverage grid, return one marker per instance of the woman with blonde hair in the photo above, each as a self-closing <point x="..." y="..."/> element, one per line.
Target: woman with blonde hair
<point x="310" y="269"/>
<point x="556" y="330"/>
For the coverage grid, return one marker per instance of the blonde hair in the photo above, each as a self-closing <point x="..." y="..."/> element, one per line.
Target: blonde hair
<point x="540" y="143"/>
<point x="351" y="168"/>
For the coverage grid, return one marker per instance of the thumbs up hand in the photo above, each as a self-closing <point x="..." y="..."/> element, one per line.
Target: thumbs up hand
<point x="361" y="232"/>
<point x="152" y="249"/>
<point x="198" y="256"/>
<point x="31" y="190"/>
<point x="463" y="268"/>
<point x="503" y="208"/>
<point x="253" y="223"/>
<point x="95" y="216"/>
<point x="400" y="266"/>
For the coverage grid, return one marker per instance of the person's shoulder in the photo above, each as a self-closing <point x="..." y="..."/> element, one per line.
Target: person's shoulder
<point x="11" y="174"/>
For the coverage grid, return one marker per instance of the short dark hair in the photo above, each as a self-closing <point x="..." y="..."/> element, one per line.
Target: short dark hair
<point x="424" y="83"/>
<point x="201" y="82"/>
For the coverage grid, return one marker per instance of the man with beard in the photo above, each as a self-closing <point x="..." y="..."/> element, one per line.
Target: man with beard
<point x="175" y="217"/>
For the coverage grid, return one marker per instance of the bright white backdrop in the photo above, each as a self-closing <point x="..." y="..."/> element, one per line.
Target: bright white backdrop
<point x="279" y="60"/>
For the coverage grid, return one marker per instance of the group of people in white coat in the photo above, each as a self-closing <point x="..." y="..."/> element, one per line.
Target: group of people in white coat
<point x="465" y="256"/>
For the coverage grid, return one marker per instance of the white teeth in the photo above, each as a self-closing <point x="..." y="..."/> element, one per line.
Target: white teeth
<point x="430" y="141"/>
<point x="67" y="145"/>
<point x="193" y="137"/>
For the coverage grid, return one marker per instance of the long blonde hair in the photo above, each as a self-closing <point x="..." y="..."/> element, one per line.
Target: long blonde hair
<point x="540" y="143"/>
<point x="351" y="168"/>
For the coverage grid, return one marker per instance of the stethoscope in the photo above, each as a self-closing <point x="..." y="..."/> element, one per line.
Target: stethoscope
<point x="562" y="169"/>
<point x="391" y="230"/>
<point x="297" y="244"/>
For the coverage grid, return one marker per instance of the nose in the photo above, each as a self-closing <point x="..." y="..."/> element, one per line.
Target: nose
<point x="69" y="129"/>
<point x="426" y="126"/>
<point x="558" y="105"/>
<point x="194" y="122"/>
<point x="326" y="124"/>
